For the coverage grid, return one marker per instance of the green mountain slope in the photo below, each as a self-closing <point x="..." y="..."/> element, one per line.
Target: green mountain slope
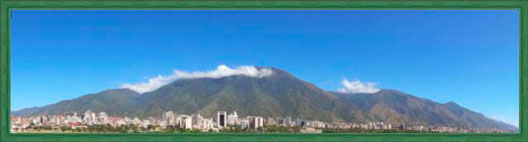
<point x="398" y="107"/>
<point x="114" y="102"/>
<point x="277" y="95"/>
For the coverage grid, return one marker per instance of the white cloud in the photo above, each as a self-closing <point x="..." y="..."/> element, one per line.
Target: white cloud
<point x="221" y="71"/>
<point x="357" y="86"/>
<point x="151" y="84"/>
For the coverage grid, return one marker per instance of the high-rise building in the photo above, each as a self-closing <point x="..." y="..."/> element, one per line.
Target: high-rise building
<point x="244" y="124"/>
<point x="103" y="118"/>
<point x="197" y="121"/>
<point x="255" y="122"/>
<point x="89" y="117"/>
<point x="232" y="118"/>
<point x="207" y="124"/>
<point x="221" y="118"/>
<point x="259" y="122"/>
<point x="301" y="122"/>
<point x="288" y="121"/>
<point x="270" y="121"/>
<point x="185" y="122"/>
<point x="280" y="121"/>
<point x="168" y="117"/>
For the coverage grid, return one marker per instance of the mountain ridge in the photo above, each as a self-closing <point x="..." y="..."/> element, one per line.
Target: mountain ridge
<point x="280" y="94"/>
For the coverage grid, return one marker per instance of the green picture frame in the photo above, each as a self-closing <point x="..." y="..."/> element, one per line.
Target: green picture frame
<point x="8" y="5"/>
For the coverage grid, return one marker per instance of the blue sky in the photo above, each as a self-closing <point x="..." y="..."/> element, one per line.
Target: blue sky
<point x="466" y="56"/>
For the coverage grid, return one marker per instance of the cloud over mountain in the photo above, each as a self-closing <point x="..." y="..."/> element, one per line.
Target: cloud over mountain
<point x="152" y="83"/>
<point x="219" y="72"/>
<point x="357" y="86"/>
<point x="280" y="95"/>
<point x="223" y="71"/>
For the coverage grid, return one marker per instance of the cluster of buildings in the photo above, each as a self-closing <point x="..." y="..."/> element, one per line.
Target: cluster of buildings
<point x="168" y="119"/>
<point x="222" y="120"/>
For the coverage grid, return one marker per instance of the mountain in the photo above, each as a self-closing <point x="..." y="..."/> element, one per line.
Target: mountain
<point x="114" y="102"/>
<point x="397" y="107"/>
<point x="278" y="95"/>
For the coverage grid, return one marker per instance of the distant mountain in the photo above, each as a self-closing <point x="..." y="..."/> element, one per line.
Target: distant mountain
<point x="276" y="95"/>
<point x="398" y="107"/>
<point x="114" y="102"/>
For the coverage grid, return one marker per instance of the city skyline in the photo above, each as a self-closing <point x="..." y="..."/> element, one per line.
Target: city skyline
<point x="450" y="53"/>
<point x="222" y="122"/>
<point x="272" y="93"/>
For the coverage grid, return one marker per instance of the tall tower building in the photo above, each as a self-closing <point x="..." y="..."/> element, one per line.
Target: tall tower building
<point x="185" y="121"/>
<point x="259" y="122"/>
<point x="255" y="122"/>
<point x="221" y="118"/>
